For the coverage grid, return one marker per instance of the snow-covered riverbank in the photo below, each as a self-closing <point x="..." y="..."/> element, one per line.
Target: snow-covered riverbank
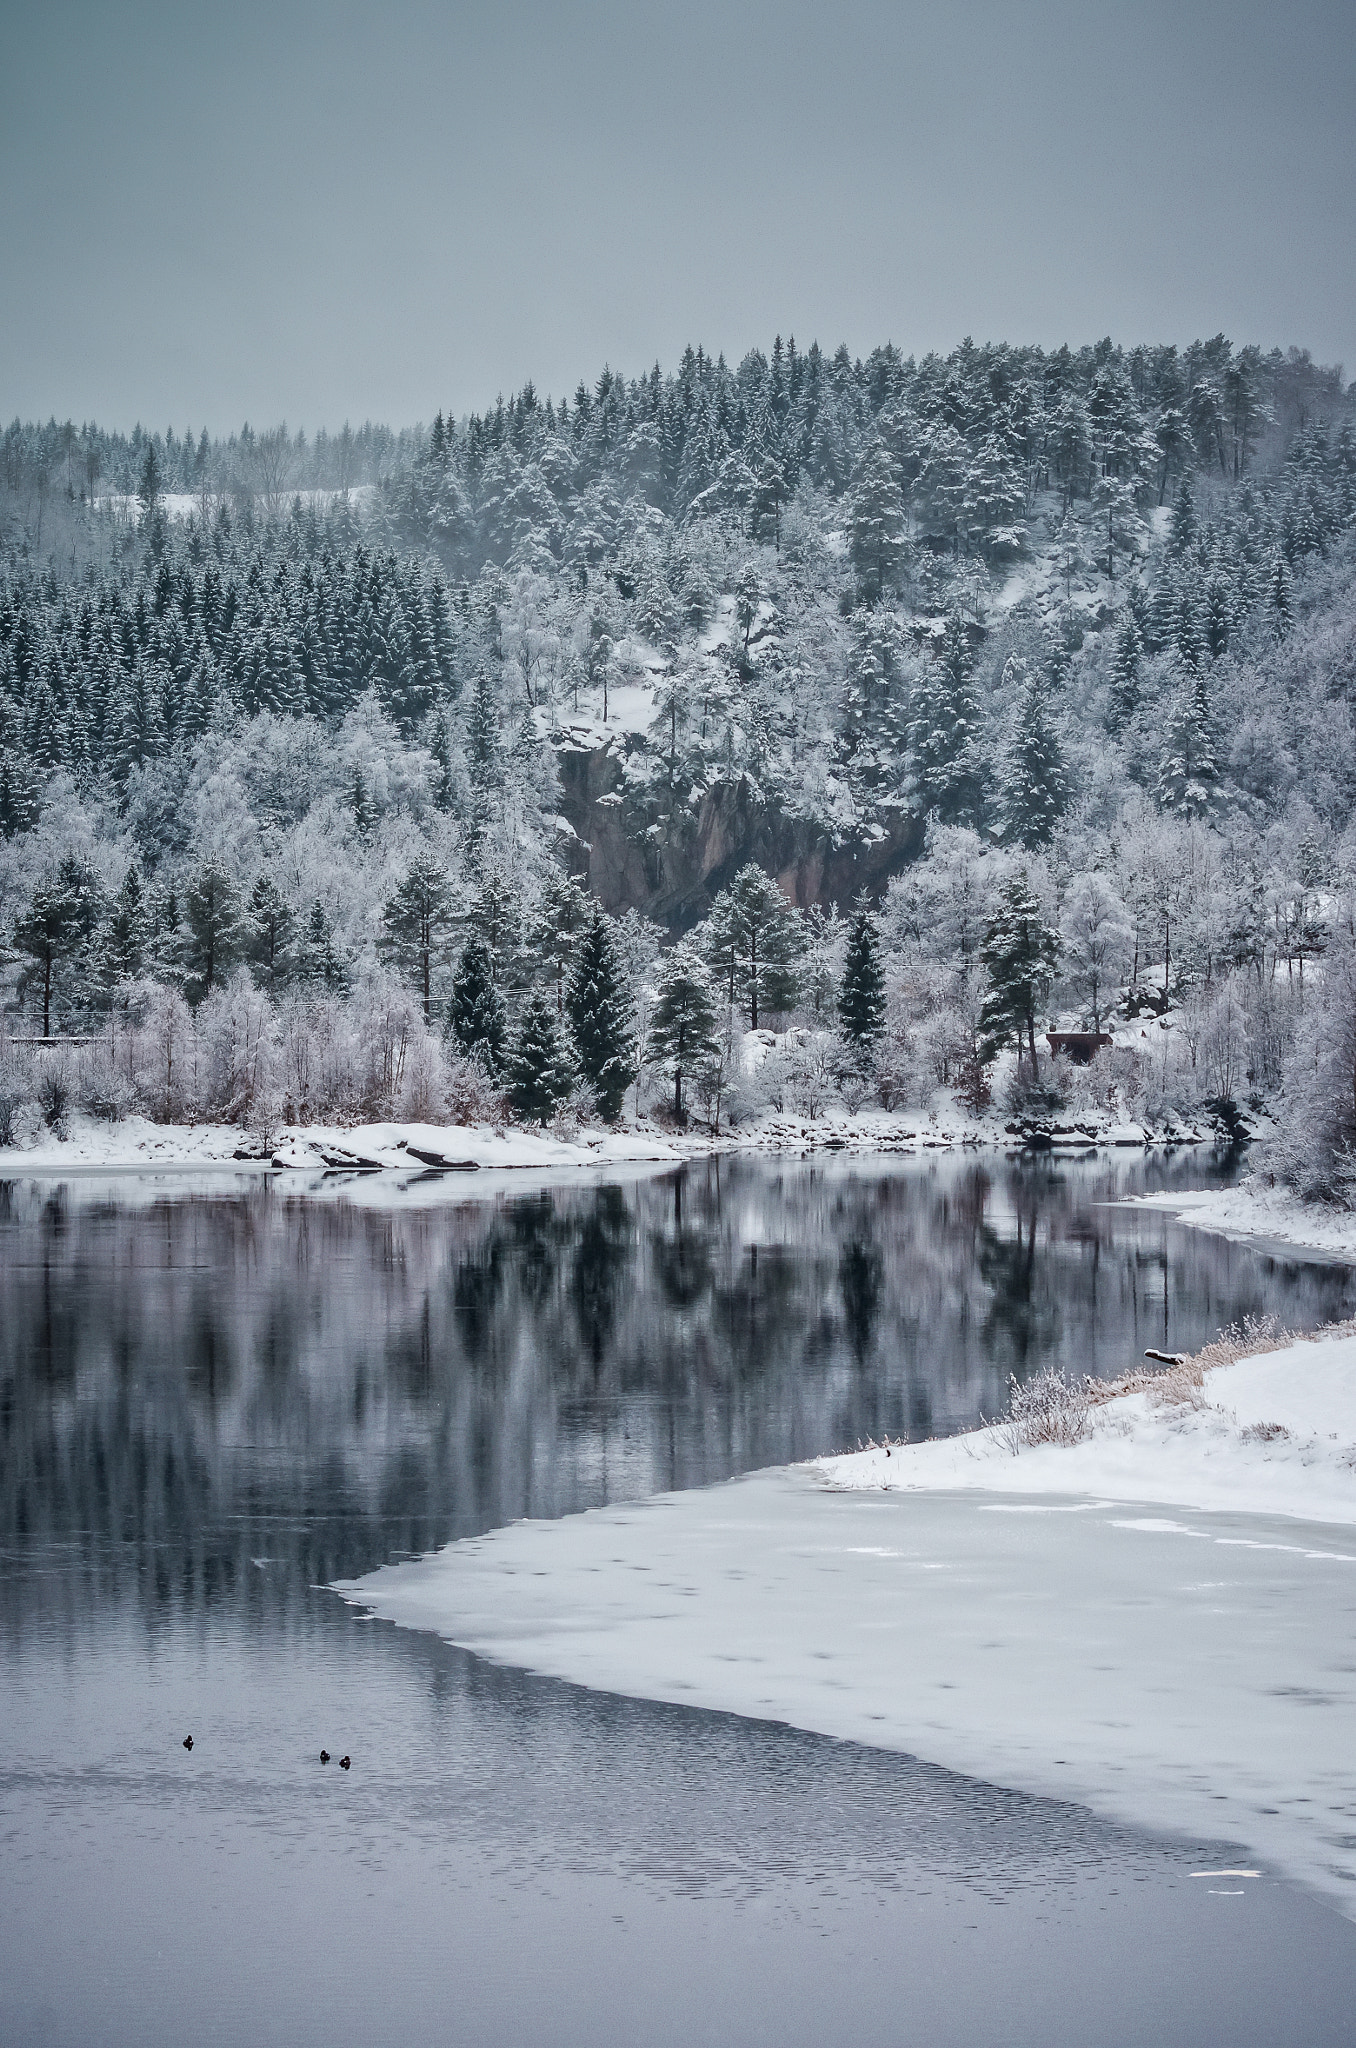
<point x="1159" y="1621"/>
<point x="135" y="1144"/>
<point x="1253" y="1210"/>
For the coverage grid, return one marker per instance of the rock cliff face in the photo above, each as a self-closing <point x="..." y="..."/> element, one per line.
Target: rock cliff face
<point x="671" y="868"/>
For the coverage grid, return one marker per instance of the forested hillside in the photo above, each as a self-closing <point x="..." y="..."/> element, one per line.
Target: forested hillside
<point x="1050" y="654"/>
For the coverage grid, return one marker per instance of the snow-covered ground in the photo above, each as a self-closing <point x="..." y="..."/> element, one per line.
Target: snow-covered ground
<point x="1044" y="1621"/>
<point x="136" y="1145"/>
<point x="1253" y="1210"/>
<point x="183" y="505"/>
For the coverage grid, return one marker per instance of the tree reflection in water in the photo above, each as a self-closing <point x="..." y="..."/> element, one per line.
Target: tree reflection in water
<point x="190" y="1382"/>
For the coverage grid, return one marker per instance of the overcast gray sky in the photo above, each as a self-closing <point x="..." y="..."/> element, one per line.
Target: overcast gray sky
<point x="328" y="211"/>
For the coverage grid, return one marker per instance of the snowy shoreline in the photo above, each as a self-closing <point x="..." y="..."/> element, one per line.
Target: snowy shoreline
<point x="1253" y="1213"/>
<point x="138" y="1145"/>
<point x="1019" y="1619"/>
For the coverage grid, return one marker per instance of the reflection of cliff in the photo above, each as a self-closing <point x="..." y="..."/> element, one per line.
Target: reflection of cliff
<point x="190" y="1386"/>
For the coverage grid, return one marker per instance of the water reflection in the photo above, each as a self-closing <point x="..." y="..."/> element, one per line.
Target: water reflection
<point x="214" y="1403"/>
<point x="181" y="1377"/>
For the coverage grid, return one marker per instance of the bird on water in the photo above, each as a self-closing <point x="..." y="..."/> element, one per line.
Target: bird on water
<point x="344" y="1762"/>
<point x="324" y="1756"/>
<point x="188" y="1742"/>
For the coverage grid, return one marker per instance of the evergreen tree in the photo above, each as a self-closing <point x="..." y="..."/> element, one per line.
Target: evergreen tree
<point x="600" y="1012"/>
<point x="128" y="930"/>
<point x="213" y="929"/>
<point x="861" y="998"/>
<point x="537" y="1068"/>
<point x="57" y="926"/>
<point x="566" y="910"/>
<point x="945" y="733"/>
<point x="876" y="524"/>
<point x="319" y="962"/>
<point x="268" y="926"/>
<point x="148" y="483"/>
<point x="475" y="1016"/>
<point x="1183" y="517"/>
<point x="1124" y="682"/>
<point x="1034" y="786"/>
<point x="1280" y="595"/>
<point x="753" y="938"/>
<point x="415" y="921"/>
<point x="683" y="1022"/>
<point x="1188" y="770"/>
<point x="1020" y="952"/>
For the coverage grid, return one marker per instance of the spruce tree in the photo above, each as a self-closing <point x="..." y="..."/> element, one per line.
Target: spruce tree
<point x="683" y="1022"/>
<point x="537" y="1068"/>
<point x="1034" y="785"/>
<point x="213" y="929"/>
<point x="876" y="541"/>
<point x="1188" y="770"/>
<point x="475" y="1015"/>
<point x="754" y="942"/>
<point x="319" y="962"/>
<point x="415" y="922"/>
<point x="1020" y="952"/>
<point x="1123" y="691"/>
<point x="57" y="926"/>
<point x="600" y="1018"/>
<point x="268" y="926"/>
<point x="126" y="939"/>
<point x="945" y="732"/>
<point x="861" y="997"/>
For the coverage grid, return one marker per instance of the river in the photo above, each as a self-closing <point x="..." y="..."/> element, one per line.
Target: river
<point x="218" y="1397"/>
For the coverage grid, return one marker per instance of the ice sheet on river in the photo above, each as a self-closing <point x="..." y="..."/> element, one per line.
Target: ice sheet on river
<point x="1184" y="1670"/>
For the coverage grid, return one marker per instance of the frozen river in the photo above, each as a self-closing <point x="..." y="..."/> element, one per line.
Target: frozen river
<point x="214" y="1403"/>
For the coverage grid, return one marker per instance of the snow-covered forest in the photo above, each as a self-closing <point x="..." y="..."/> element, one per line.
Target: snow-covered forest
<point x="890" y="711"/>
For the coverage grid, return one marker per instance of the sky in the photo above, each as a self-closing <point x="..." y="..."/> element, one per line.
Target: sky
<point x="319" y="212"/>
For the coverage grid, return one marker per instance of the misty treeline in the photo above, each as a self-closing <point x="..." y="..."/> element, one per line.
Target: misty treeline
<point x="1071" y="635"/>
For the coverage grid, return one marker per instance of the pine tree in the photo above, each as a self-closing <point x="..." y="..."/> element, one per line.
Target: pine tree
<point x="566" y="910"/>
<point x="319" y="962"/>
<point x="415" y="922"/>
<point x="876" y="524"/>
<point x="57" y="926"/>
<point x="1280" y="595"/>
<point x="128" y="930"/>
<point x="861" y="997"/>
<point x="537" y="1068"/>
<point x="213" y="929"/>
<point x="754" y="940"/>
<point x="475" y="1015"/>
<point x="683" y="1022"/>
<point x="268" y="926"/>
<point x="1020" y="952"/>
<point x="945" y="733"/>
<point x="1183" y="517"/>
<point x="599" y="1006"/>
<point x="1124" y="682"/>
<point x="1188" y="771"/>
<point x="1034" y="786"/>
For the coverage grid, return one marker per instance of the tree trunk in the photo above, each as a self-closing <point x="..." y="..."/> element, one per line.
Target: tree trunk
<point x="47" y="997"/>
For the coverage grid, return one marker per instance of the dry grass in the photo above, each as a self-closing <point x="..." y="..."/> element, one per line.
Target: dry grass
<point x="1182" y="1385"/>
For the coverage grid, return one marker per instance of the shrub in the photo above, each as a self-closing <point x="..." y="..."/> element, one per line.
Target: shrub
<point x="1040" y="1095"/>
<point x="1049" y="1409"/>
<point x="103" y="1088"/>
<point x="56" y="1092"/>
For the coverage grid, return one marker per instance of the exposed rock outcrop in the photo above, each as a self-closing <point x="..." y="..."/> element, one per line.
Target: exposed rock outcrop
<point x="671" y="866"/>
